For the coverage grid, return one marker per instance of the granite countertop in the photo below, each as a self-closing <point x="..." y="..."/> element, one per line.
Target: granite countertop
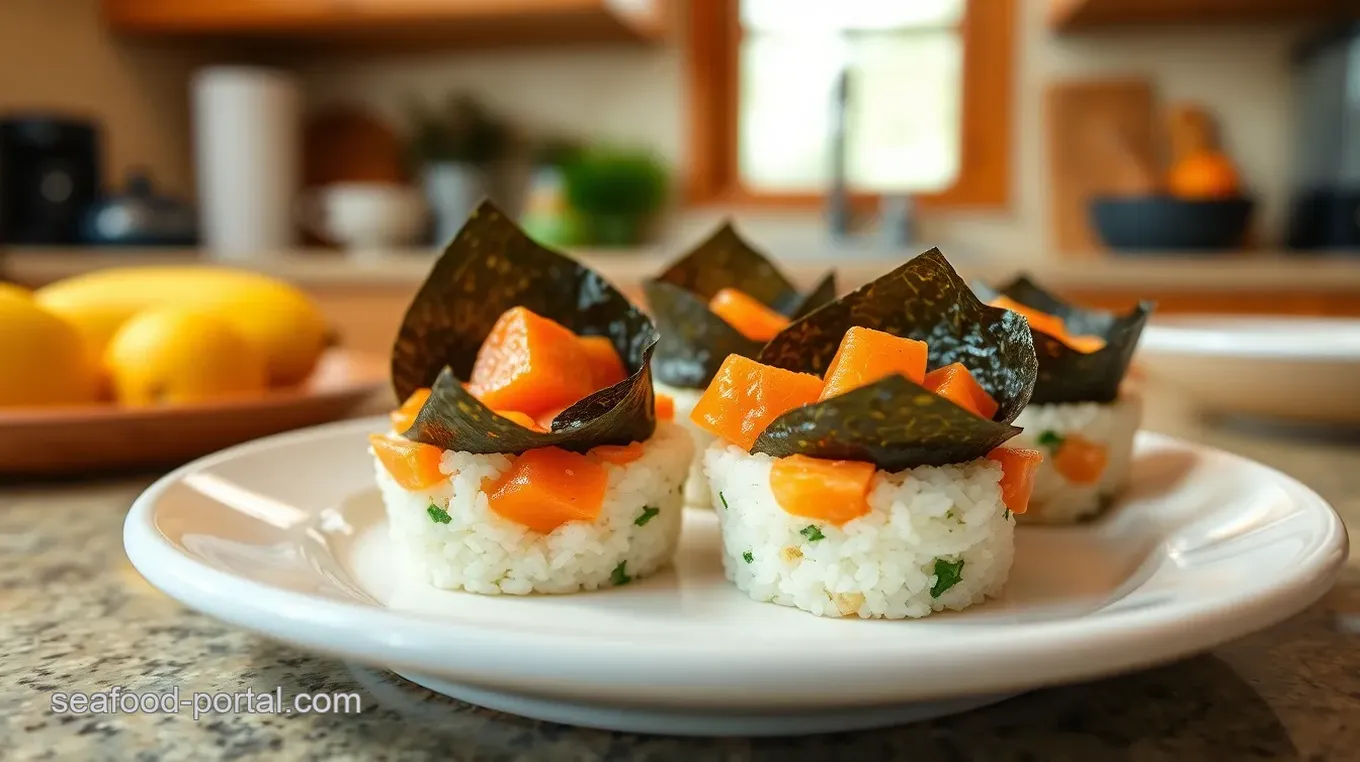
<point x="75" y="616"/>
<point x="1320" y="273"/>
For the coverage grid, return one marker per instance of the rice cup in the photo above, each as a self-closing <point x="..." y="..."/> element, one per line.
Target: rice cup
<point x="696" y="485"/>
<point x="1064" y="499"/>
<point x="935" y="538"/>
<point x="458" y="543"/>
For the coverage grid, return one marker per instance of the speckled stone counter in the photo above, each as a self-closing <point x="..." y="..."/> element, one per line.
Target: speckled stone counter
<point x="75" y="616"/>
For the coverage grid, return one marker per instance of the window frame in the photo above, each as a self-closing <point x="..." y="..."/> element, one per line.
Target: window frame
<point x="713" y="71"/>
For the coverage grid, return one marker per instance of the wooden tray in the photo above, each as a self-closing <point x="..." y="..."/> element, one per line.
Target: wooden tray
<point x="85" y="440"/>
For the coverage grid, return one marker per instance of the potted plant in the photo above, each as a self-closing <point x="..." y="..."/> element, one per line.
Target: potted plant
<point x="547" y="216"/>
<point x="615" y="191"/>
<point x="453" y="147"/>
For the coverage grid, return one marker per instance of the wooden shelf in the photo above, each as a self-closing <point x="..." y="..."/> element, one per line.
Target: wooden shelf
<point x="1067" y="16"/>
<point x="476" y="23"/>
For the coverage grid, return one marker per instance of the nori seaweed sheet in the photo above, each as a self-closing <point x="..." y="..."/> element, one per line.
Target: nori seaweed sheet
<point x="1066" y="375"/>
<point x="488" y="268"/>
<point x="896" y="423"/>
<point x="694" y="341"/>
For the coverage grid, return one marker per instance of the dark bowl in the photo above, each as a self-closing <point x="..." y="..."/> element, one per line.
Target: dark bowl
<point x="1162" y="223"/>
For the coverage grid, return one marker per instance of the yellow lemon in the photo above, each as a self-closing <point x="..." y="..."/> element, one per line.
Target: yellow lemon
<point x="43" y="362"/>
<point x="9" y="289"/>
<point x="177" y="355"/>
<point x="274" y="315"/>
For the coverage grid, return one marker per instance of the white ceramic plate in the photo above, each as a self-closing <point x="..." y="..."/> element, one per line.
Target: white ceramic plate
<point x="285" y="536"/>
<point x="1297" y="368"/>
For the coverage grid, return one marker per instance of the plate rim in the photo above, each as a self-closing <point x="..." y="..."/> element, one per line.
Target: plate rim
<point x="396" y="639"/>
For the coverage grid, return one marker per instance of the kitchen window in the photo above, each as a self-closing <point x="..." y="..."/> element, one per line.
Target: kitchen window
<point x="925" y="87"/>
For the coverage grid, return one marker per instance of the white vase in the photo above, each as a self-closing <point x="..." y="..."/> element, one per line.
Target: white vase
<point x="452" y="192"/>
<point x="246" y="148"/>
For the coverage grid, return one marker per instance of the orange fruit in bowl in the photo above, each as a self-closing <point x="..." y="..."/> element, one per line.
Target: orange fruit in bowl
<point x="42" y="356"/>
<point x="179" y="355"/>
<point x="1204" y="175"/>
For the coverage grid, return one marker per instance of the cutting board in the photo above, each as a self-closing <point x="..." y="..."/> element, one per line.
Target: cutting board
<point x="1101" y="140"/>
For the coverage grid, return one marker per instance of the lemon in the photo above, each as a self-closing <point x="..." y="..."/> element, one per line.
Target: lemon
<point x="9" y="289"/>
<point x="43" y="362"/>
<point x="274" y="315"/>
<point x="176" y="355"/>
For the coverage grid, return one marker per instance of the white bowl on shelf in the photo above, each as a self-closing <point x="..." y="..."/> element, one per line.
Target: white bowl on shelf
<point x="1284" y="367"/>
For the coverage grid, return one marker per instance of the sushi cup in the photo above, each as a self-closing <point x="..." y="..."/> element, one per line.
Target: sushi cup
<point x="458" y="542"/>
<point x="1084" y="412"/>
<point x="1088" y="455"/>
<point x="851" y="480"/>
<point x="530" y="454"/>
<point x="935" y="538"/>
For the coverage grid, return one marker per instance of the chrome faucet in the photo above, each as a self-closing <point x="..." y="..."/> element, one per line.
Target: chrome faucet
<point x="896" y="211"/>
<point x="837" y="198"/>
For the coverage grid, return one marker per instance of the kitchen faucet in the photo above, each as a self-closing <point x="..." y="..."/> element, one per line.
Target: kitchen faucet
<point x="895" y="210"/>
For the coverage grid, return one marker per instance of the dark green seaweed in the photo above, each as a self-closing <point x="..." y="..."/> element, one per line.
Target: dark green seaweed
<point x="694" y="341"/>
<point x="896" y="423"/>
<point x="924" y="299"/>
<point x="1066" y="375"/>
<point x="488" y="268"/>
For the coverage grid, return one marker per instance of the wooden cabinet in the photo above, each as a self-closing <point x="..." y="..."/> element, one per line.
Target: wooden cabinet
<point x="452" y="22"/>
<point x="1079" y="15"/>
<point x="199" y="16"/>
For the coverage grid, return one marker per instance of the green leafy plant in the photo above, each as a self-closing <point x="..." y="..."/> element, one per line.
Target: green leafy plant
<point x="555" y="152"/>
<point x="461" y="131"/>
<point x="609" y="182"/>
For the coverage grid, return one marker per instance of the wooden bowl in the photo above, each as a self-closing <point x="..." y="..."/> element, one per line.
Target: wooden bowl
<point x="96" y="439"/>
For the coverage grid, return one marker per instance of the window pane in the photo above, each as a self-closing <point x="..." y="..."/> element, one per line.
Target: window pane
<point x="903" y="118"/>
<point x="785" y="112"/>
<point x="834" y="15"/>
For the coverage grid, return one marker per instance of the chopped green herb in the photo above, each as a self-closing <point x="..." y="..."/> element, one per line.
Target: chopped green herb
<point x="1050" y="439"/>
<point x="748" y="557"/>
<point x="947" y="575"/>
<point x="1006" y="514"/>
<point x="438" y="515"/>
<point x="647" y="513"/>
<point x="620" y="575"/>
<point x="724" y="500"/>
<point x="812" y="533"/>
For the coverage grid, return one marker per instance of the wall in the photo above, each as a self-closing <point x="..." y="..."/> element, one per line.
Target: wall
<point x="638" y="96"/>
<point x="55" y="56"/>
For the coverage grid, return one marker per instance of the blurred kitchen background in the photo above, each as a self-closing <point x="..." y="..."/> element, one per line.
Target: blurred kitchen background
<point x="1203" y="153"/>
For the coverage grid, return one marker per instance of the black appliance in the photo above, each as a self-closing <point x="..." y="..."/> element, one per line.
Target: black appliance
<point x="1325" y="208"/>
<point x="140" y="216"/>
<point x="49" y="176"/>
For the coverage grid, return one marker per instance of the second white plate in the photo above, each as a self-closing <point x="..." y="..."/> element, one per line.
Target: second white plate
<point x="286" y="537"/>
<point x="1285" y="367"/>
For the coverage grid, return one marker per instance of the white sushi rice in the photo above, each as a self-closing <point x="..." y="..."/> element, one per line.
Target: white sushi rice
<point x="880" y="565"/>
<point x="696" y="486"/>
<point x="1055" y="500"/>
<point x="481" y="552"/>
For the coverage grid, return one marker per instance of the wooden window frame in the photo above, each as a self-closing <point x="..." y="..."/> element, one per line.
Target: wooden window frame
<point x="713" y="38"/>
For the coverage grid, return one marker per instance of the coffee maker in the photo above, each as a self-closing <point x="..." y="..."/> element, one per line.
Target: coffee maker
<point x="1325" y="209"/>
<point x="49" y="176"/>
